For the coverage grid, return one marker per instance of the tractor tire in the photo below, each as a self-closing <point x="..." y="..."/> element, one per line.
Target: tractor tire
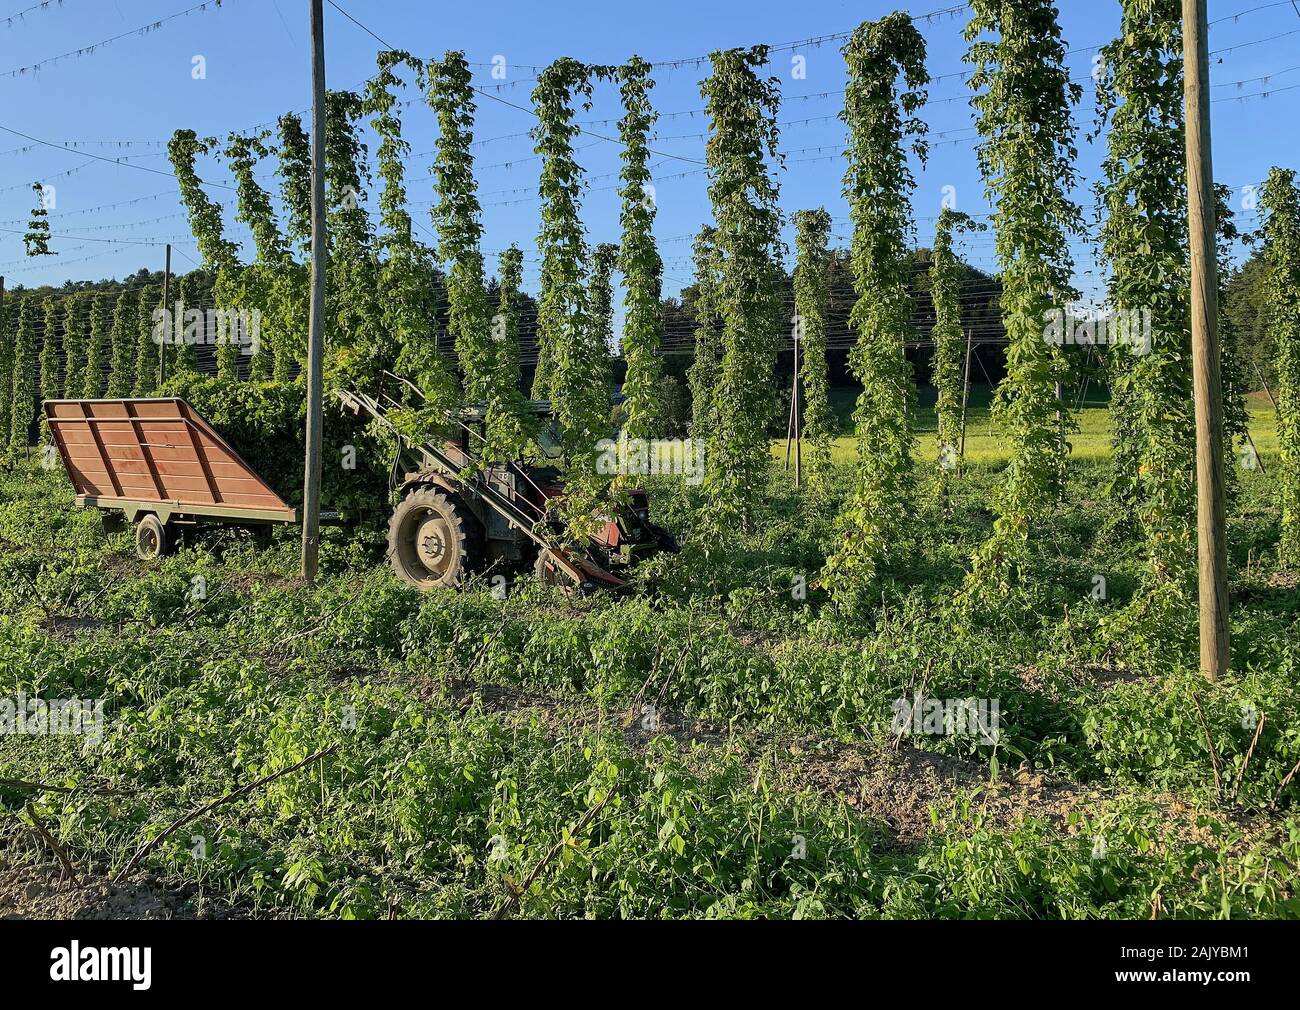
<point x="428" y="542"/>
<point x="153" y="539"/>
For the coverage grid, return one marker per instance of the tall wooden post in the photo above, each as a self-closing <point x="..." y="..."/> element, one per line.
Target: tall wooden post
<point x="170" y="329"/>
<point x="965" y="398"/>
<point x="1206" y="384"/>
<point x="798" y="417"/>
<point x="316" y="319"/>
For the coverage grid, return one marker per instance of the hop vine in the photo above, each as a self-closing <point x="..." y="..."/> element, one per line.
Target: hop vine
<point x="74" y="346"/>
<point x="883" y="124"/>
<point x="147" y="343"/>
<point x="10" y="309"/>
<point x="811" y="291"/>
<point x="1280" y="201"/>
<point x="96" y="346"/>
<point x="945" y="295"/>
<point x="37" y="239"/>
<point x="1144" y="243"/>
<point x="460" y="230"/>
<point x="640" y="262"/>
<point x="218" y="252"/>
<point x="742" y="109"/>
<point x="352" y="274"/>
<point x="294" y="170"/>
<point x="706" y="367"/>
<point x="600" y="318"/>
<point x="409" y="302"/>
<point x="569" y="370"/>
<point x="23" y="406"/>
<point x="122" y="341"/>
<point x="260" y="283"/>
<point x="506" y="325"/>
<point x="1023" y="99"/>
<point x="51" y="382"/>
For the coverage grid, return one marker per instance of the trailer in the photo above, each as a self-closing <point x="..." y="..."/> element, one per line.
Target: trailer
<point x="160" y="466"/>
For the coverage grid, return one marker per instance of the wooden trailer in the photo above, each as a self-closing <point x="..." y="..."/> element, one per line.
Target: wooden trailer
<point x="161" y="466"/>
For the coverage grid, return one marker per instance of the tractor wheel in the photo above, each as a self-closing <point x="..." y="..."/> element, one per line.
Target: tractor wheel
<point x="153" y="540"/>
<point x="427" y="541"/>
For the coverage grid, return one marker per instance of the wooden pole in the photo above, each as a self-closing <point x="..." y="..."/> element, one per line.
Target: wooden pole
<point x="794" y="389"/>
<point x="1206" y="382"/>
<point x="789" y="425"/>
<point x="316" y="320"/>
<point x="798" y="420"/>
<point x="170" y="330"/>
<point x="1258" y="371"/>
<point x="965" y="398"/>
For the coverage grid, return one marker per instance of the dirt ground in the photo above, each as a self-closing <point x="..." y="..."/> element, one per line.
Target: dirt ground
<point x="41" y="891"/>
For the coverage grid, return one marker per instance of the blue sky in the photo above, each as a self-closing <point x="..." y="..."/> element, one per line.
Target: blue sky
<point x="140" y="88"/>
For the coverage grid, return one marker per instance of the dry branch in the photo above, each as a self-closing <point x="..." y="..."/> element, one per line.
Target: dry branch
<point x="518" y="892"/>
<point x="181" y="821"/>
<point x="1209" y="740"/>
<point x="49" y="840"/>
<point x="1241" y="772"/>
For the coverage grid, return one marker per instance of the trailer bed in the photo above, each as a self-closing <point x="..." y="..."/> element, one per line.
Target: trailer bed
<point x="157" y="456"/>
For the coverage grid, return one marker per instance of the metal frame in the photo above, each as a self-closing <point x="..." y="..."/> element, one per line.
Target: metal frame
<point x="181" y="512"/>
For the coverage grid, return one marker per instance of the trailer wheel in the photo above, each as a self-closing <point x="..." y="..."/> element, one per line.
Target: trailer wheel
<point x="153" y="540"/>
<point x="427" y="541"/>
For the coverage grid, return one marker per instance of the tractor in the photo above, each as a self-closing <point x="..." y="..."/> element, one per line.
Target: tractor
<point x="458" y="512"/>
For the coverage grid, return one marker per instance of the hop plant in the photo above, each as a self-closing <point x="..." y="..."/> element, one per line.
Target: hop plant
<point x="883" y="124"/>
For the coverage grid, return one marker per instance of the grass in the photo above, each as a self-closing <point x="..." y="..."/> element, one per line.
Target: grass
<point x="985" y="445"/>
<point x="736" y="734"/>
